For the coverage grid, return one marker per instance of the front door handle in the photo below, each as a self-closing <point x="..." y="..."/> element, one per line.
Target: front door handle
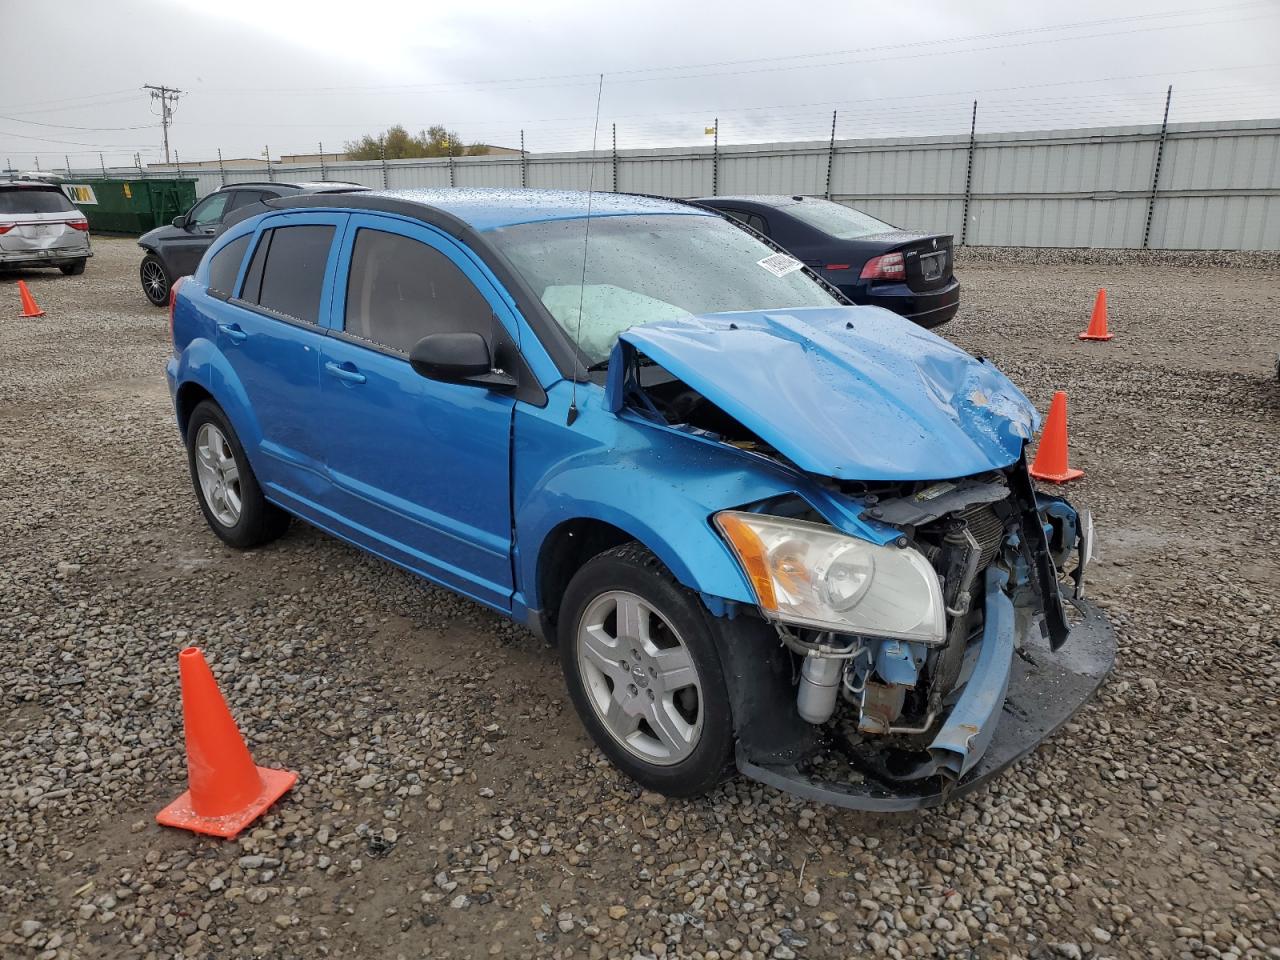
<point x="233" y="332"/>
<point x="345" y="371"/>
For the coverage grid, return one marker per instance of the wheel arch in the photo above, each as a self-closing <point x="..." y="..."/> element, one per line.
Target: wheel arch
<point x="188" y="396"/>
<point x="568" y="545"/>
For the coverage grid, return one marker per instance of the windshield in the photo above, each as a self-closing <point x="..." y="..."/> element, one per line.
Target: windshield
<point x="646" y="268"/>
<point x="836" y="219"/>
<point x="27" y="200"/>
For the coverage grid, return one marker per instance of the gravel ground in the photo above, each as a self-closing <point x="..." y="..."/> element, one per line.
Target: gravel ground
<point x="449" y="803"/>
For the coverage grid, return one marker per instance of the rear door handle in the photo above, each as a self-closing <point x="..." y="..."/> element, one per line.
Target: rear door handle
<point x="345" y="371"/>
<point x="233" y="332"/>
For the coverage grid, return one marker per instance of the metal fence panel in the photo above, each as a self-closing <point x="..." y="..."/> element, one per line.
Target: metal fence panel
<point x="1219" y="182"/>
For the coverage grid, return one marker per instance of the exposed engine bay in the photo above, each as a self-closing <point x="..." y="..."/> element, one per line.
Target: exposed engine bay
<point x="908" y="715"/>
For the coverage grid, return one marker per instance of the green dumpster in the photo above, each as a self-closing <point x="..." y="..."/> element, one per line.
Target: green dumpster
<point x="131" y="206"/>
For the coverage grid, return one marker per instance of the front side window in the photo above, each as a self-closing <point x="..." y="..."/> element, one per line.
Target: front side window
<point x="225" y="265"/>
<point x="209" y="210"/>
<point x="646" y="268"/>
<point x="837" y="220"/>
<point x="287" y="272"/>
<point x="400" y="290"/>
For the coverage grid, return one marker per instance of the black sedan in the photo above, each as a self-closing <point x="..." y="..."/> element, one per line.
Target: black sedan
<point x="872" y="262"/>
<point x="175" y="250"/>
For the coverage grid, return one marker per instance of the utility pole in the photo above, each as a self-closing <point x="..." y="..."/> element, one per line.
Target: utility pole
<point x="615" y="158"/>
<point x="320" y="144"/>
<point x="524" y="164"/>
<point x="167" y="96"/>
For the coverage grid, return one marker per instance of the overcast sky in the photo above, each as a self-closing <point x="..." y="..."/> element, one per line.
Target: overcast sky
<point x="289" y="74"/>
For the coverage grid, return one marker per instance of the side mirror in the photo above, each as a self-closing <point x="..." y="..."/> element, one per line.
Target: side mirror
<point x="458" y="358"/>
<point x="180" y="221"/>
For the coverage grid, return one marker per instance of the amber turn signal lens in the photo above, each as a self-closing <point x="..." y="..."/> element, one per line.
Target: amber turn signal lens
<point x="752" y="555"/>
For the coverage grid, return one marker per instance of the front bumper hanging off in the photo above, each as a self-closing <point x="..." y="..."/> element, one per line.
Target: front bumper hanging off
<point x="1044" y="690"/>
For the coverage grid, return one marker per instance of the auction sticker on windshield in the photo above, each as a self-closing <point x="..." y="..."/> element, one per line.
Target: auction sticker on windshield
<point x="780" y="264"/>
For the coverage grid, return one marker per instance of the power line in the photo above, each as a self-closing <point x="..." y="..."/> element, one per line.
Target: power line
<point x="67" y="126"/>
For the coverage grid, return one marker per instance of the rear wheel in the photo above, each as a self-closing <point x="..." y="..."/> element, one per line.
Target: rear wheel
<point x="155" y="280"/>
<point x="73" y="269"/>
<point x="642" y="669"/>
<point x="228" y="491"/>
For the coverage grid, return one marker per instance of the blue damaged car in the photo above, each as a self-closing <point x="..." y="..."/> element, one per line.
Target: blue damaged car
<point x="766" y="529"/>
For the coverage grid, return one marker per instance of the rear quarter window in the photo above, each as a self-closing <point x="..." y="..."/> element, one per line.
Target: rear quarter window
<point x="225" y="265"/>
<point x="20" y="200"/>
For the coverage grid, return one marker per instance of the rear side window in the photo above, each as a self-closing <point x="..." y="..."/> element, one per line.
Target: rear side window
<point x="287" y="272"/>
<point x="753" y="221"/>
<point x="26" y="200"/>
<point x="400" y="290"/>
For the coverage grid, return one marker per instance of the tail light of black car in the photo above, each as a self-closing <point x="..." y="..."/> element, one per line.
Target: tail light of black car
<point x="888" y="266"/>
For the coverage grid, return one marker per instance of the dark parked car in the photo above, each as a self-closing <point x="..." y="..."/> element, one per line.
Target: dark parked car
<point x="175" y="250"/>
<point x="872" y="262"/>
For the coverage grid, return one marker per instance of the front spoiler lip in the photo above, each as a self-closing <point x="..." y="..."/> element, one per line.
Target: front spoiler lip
<point x="1046" y="689"/>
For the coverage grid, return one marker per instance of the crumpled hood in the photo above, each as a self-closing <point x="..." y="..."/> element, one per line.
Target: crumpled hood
<point x="856" y="393"/>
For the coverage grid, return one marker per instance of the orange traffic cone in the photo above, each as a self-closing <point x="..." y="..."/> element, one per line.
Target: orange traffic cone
<point x="1098" y="322"/>
<point x="226" y="790"/>
<point x="1051" y="457"/>
<point x="29" y="306"/>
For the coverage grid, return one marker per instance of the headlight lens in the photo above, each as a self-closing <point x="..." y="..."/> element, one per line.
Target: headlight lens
<point x="811" y="575"/>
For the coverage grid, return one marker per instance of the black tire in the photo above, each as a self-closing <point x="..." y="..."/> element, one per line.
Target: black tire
<point x="155" y="280"/>
<point x="259" y="521"/>
<point x="634" y="569"/>
<point x="73" y="269"/>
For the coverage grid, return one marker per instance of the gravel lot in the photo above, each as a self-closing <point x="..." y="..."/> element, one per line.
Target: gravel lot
<point x="449" y="802"/>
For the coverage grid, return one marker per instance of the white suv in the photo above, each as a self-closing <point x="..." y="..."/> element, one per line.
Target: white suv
<point x="40" y="227"/>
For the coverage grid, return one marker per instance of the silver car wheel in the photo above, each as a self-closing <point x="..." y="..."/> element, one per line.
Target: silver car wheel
<point x="219" y="475"/>
<point x="155" y="281"/>
<point x="640" y="679"/>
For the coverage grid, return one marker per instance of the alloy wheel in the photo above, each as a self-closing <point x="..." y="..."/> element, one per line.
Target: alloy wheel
<point x="155" y="282"/>
<point x="640" y="678"/>
<point x="219" y="475"/>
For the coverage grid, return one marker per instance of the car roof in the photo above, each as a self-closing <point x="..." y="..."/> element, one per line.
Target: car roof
<point x="487" y="208"/>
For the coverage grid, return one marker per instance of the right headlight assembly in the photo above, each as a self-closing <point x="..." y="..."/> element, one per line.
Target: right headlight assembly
<point x="811" y="575"/>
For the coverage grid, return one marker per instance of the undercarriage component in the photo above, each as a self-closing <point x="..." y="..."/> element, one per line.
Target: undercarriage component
<point x="819" y="686"/>
<point x="1045" y="689"/>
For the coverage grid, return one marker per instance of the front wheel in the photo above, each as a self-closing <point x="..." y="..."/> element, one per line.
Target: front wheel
<point x="155" y="280"/>
<point x="642" y="669"/>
